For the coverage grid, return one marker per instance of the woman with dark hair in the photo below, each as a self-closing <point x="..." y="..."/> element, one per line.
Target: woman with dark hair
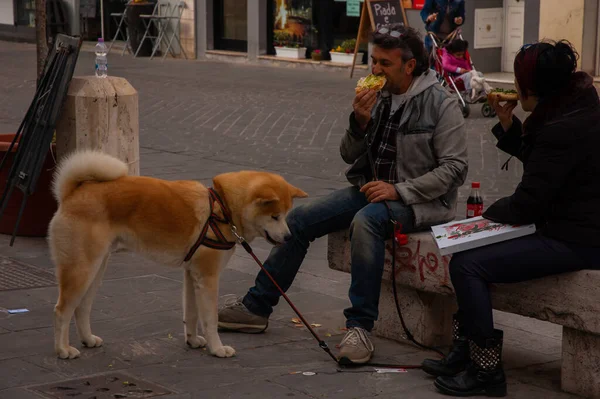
<point x="559" y="192"/>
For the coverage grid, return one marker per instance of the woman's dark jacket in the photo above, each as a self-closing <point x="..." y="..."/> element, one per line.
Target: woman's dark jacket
<point x="559" y="145"/>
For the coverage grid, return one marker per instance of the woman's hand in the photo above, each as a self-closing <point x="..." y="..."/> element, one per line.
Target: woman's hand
<point x="504" y="112"/>
<point x="363" y="104"/>
<point x="431" y="17"/>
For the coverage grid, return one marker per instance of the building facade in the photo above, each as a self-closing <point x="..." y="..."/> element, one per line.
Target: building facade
<point x="495" y="29"/>
<point x="248" y="29"/>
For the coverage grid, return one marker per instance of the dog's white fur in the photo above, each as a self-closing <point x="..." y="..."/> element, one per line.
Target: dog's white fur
<point x="101" y="208"/>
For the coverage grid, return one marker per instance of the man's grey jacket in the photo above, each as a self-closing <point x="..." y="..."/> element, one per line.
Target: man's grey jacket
<point x="431" y="151"/>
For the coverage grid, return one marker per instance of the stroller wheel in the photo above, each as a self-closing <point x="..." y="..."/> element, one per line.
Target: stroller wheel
<point x="466" y="110"/>
<point x="487" y="110"/>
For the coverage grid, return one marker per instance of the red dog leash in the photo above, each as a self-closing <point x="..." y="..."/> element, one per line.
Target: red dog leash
<point x="248" y="249"/>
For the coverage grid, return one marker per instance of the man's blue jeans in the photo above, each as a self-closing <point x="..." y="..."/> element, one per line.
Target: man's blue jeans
<point x="369" y="228"/>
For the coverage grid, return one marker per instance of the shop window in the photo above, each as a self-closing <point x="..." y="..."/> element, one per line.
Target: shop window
<point x="26" y="13"/>
<point x="293" y="19"/>
<point x="313" y="24"/>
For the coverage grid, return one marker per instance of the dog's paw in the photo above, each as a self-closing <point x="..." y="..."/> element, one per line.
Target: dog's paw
<point x="92" y="342"/>
<point x="196" y="342"/>
<point x="67" y="353"/>
<point x="224" y="351"/>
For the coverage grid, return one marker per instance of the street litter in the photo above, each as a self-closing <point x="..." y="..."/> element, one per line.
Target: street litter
<point x="13" y="311"/>
<point x="296" y="320"/>
<point x="389" y="370"/>
<point x="308" y="373"/>
<point x="315" y="325"/>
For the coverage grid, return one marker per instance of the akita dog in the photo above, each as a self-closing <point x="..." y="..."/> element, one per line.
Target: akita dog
<point x="178" y="223"/>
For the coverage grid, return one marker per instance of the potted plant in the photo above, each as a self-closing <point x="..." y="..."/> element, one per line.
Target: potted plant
<point x="344" y="53"/>
<point x="40" y="206"/>
<point x="316" y="55"/>
<point x="287" y="47"/>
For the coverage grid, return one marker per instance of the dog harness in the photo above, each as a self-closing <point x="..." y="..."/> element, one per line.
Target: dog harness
<point x="221" y="242"/>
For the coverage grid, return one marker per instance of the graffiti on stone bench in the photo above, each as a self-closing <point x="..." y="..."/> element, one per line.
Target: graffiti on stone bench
<point x="425" y="263"/>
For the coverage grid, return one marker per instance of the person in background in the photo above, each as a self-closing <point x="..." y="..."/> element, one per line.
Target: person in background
<point x="454" y="62"/>
<point x="559" y="192"/>
<point x="442" y="17"/>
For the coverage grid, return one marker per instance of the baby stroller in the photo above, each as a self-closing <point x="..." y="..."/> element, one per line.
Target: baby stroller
<point x="454" y="85"/>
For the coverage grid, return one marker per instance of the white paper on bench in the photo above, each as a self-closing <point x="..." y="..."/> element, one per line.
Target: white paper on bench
<point x="460" y="235"/>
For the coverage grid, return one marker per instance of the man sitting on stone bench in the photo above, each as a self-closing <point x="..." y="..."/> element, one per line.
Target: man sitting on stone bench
<point x="412" y="136"/>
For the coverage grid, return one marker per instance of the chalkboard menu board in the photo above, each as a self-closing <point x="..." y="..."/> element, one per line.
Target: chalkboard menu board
<point x="377" y="13"/>
<point x="385" y="12"/>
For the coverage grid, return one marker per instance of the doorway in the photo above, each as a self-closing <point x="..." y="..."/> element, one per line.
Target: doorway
<point x="514" y="32"/>
<point x="231" y="25"/>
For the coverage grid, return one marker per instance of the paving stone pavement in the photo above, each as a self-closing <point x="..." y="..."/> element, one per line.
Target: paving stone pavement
<point x="198" y="119"/>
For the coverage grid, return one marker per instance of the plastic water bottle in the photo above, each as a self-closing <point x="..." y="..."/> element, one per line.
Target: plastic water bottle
<point x="101" y="60"/>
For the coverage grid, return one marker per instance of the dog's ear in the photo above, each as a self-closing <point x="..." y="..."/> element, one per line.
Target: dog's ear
<point x="296" y="192"/>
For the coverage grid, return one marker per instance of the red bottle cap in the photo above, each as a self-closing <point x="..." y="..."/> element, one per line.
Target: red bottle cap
<point x="475" y="184"/>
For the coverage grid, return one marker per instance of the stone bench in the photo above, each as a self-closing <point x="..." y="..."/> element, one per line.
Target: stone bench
<point x="427" y="301"/>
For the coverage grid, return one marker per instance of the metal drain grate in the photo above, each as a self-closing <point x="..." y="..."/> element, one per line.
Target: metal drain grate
<point x="15" y="275"/>
<point x="108" y="386"/>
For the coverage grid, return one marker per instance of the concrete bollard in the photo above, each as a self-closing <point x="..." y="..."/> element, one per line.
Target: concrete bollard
<point x="101" y="114"/>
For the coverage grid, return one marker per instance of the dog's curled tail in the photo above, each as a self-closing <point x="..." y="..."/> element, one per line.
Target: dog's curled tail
<point x="86" y="165"/>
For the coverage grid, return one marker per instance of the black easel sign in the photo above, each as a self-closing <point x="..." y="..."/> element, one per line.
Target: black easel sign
<point x="380" y="13"/>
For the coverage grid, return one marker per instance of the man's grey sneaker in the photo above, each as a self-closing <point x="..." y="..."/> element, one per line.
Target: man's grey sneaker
<point x="356" y="347"/>
<point x="234" y="316"/>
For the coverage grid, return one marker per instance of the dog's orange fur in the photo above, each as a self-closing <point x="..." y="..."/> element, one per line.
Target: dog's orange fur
<point x="101" y="208"/>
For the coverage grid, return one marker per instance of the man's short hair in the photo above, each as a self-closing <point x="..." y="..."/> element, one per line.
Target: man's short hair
<point x="398" y="36"/>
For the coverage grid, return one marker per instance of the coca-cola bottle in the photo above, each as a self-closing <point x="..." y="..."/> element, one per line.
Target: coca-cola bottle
<point x="474" y="202"/>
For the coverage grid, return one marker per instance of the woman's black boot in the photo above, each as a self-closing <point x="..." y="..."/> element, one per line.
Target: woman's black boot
<point x="455" y="361"/>
<point x="483" y="376"/>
